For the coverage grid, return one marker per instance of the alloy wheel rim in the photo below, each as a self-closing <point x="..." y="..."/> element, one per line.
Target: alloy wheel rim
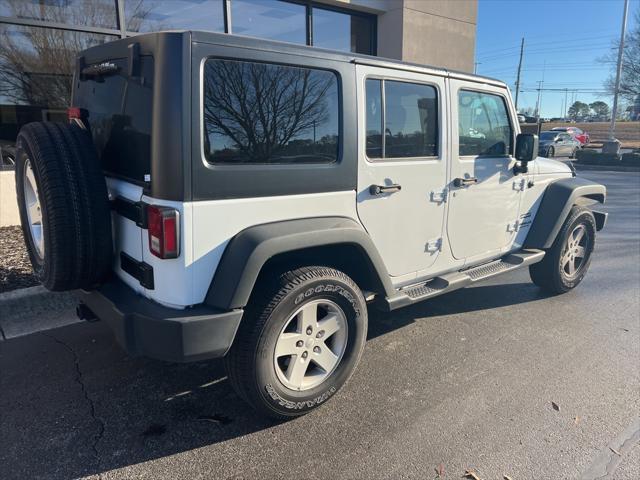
<point x="310" y="345"/>
<point x="33" y="208"/>
<point x="575" y="252"/>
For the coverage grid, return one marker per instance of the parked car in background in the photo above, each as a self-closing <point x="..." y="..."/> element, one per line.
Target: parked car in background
<point x="580" y="135"/>
<point x="526" y="119"/>
<point x="557" y="143"/>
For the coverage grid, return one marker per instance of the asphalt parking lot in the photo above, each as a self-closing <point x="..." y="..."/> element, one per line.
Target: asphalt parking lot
<point x="470" y="380"/>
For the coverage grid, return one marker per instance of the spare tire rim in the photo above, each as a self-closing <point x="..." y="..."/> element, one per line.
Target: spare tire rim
<point x="311" y="345"/>
<point x="576" y="251"/>
<point x="33" y="208"/>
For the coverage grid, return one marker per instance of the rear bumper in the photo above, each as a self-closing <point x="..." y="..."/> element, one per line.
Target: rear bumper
<point x="144" y="327"/>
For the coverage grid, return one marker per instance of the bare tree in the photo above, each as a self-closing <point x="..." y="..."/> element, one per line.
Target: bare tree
<point x="36" y="64"/>
<point x="262" y="108"/>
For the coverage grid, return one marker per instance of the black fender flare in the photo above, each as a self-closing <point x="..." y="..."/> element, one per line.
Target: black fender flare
<point x="559" y="197"/>
<point x="250" y="249"/>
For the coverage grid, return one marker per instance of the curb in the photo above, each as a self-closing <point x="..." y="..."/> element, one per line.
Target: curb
<point x="34" y="309"/>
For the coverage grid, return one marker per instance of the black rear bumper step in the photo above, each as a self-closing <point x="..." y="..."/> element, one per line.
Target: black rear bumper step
<point x="143" y="272"/>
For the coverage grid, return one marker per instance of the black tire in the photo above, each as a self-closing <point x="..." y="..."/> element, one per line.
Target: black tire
<point x="72" y="193"/>
<point x="551" y="152"/>
<point x="551" y="273"/>
<point x="251" y="363"/>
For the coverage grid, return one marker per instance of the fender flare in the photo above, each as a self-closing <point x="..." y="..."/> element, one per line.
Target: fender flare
<point x="250" y="249"/>
<point x="559" y="197"/>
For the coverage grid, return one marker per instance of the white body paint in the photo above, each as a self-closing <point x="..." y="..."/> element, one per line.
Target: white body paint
<point x="472" y="224"/>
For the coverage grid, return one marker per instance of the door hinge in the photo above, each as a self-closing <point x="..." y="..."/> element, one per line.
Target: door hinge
<point x="439" y="197"/>
<point x="520" y="185"/>
<point x="513" y="226"/>
<point x="434" y="245"/>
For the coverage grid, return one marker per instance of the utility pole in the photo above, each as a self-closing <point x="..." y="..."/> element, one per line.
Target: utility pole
<point x="564" y="114"/>
<point x="540" y="85"/>
<point x="518" y="76"/>
<point x="616" y="92"/>
<point x="475" y="67"/>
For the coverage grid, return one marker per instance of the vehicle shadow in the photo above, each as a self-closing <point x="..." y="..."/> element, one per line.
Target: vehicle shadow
<point x="74" y="404"/>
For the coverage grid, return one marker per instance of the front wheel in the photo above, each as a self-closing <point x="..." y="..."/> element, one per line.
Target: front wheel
<point x="551" y="152"/>
<point x="567" y="261"/>
<point x="299" y="342"/>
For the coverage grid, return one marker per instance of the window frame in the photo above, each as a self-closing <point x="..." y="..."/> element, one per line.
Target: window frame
<point x="383" y="103"/>
<point x="506" y="104"/>
<point x="232" y="165"/>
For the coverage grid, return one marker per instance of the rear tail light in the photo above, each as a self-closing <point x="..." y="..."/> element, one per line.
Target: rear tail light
<point x="164" y="228"/>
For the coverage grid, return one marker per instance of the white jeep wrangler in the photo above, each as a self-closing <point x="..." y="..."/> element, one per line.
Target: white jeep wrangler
<point x="215" y="195"/>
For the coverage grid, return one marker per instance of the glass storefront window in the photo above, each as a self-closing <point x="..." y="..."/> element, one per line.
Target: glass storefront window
<point x="36" y="69"/>
<point x="342" y="31"/>
<point x="95" y="13"/>
<point x="275" y="20"/>
<point x="154" y="15"/>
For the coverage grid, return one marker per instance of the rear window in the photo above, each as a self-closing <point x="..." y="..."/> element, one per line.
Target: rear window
<point x="262" y="113"/>
<point x="120" y="117"/>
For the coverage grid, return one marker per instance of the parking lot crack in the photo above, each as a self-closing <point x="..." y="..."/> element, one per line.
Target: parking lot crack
<point x="80" y="381"/>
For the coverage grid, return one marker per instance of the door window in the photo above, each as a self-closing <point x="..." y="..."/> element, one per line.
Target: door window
<point x="408" y="118"/>
<point x="483" y="124"/>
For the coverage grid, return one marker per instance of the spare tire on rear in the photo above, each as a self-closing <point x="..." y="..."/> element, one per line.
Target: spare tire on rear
<point x="64" y="205"/>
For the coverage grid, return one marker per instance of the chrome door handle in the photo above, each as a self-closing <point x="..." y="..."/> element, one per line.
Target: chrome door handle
<point x="464" y="182"/>
<point x="380" y="189"/>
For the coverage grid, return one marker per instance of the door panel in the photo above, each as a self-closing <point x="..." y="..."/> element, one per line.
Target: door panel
<point x="406" y="225"/>
<point x="482" y="212"/>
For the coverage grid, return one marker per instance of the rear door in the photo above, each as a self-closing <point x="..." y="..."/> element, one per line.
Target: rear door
<point x="118" y="112"/>
<point x="485" y="193"/>
<point x="401" y="165"/>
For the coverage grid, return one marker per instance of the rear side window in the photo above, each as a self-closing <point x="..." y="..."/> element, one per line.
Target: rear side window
<point x="409" y="119"/>
<point x="261" y="113"/>
<point x="120" y="113"/>
<point x="483" y="124"/>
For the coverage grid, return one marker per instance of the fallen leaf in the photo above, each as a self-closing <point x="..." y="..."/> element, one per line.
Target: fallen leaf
<point x="615" y="451"/>
<point x="576" y="420"/>
<point x="471" y="474"/>
<point x="440" y="470"/>
<point x="624" y="329"/>
<point x="506" y="477"/>
<point x="555" y="406"/>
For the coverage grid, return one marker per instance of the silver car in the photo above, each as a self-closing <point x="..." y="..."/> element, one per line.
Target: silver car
<point x="558" y="144"/>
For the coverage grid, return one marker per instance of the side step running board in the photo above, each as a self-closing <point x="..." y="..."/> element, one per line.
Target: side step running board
<point x="455" y="280"/>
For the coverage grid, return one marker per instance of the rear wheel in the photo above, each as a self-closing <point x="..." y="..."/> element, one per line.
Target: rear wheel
<point x="567" y="261"/>
<point x="299" y="342"/>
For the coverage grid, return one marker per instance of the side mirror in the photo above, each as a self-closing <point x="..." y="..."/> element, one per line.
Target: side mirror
<point x="526" y="151"/>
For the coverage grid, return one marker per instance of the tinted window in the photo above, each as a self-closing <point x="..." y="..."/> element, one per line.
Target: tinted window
<point x="36" y="70"/>
<point x="410" y="119"/>
<point x="342" y="31"/>
<point x="483" y="124"/>
<point x="265" y="113"/>
<point x="154" y="15"/>
<point x="374" y="118"/>
<point x="548" y="135"/>
<point x="285" y="22"/>
<point x="120" y="112"/>
<point x="96" y="13"/>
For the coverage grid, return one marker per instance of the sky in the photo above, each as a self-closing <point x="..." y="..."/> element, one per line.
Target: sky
<point x="564" y="43"/>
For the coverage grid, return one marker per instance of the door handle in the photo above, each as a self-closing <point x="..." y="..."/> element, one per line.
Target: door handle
<point x="380" y="189"/>
<point x="464" y="182"/>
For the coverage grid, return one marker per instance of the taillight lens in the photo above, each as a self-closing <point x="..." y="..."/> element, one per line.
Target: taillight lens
<point x="75" y="113"/>
<point x="164" y="229"/>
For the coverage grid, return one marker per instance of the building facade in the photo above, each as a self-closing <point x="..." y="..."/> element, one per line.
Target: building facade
<point x="39" y="39"/>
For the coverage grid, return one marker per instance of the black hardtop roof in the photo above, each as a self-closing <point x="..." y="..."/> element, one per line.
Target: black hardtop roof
<point x="295" y="49"/>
